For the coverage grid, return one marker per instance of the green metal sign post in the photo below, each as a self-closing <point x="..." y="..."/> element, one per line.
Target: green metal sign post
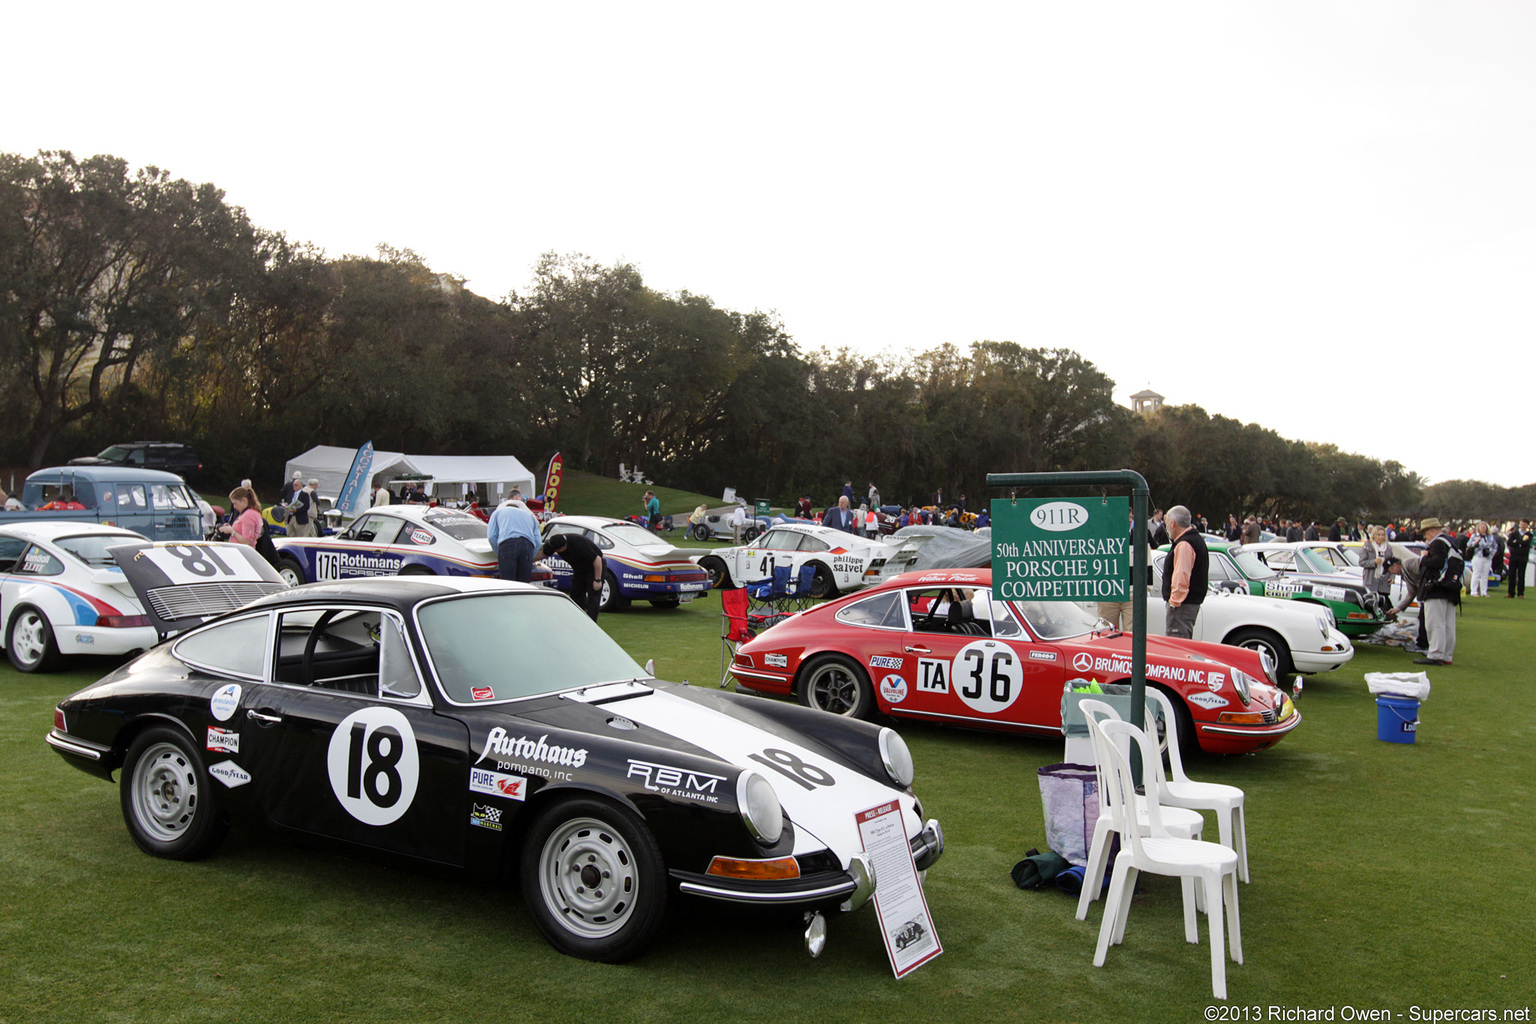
<point x="1063" y="550"/>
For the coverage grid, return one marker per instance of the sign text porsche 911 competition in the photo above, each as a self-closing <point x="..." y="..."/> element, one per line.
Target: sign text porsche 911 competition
<point x="1062" y="549"/>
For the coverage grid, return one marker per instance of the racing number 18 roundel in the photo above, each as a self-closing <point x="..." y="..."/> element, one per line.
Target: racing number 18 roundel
<point x="373" y="765"/>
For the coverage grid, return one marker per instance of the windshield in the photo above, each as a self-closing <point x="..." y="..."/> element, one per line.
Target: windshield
<point x="456" y="524"/>
<point x="500" y="646"/>
<point x="1310" y="560"/>
<point x="92" y="548"/>
<point x="1056" y="620"/>
<point x="1251" y="566"/>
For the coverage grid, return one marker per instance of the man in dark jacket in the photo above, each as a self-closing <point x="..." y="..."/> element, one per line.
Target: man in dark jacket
<point x="1438" y="601"/>
<point x="586" y="563"/>
<point x="1519" y="542"/>
<point x="1186" y="582"/>
<point x="840" y="517"/>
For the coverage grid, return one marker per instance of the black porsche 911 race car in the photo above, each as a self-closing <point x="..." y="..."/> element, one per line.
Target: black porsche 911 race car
<point x="482" y="725"/>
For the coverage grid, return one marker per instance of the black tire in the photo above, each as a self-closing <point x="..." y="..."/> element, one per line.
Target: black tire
<point x="29" y="641"/>
<point x="1257" y="638"/>
<point x="290" y="570"/>
<point x="612" y="600"/>
<point x="667" y="602"/>
<point x="594" y="881"/>
<point x="416" y="570"/>
<point x="751" y="534"/>
<point x="823" y="584"/>
<point x="168" y="799"/>
<point x="836" y="684"/>
<point x="1184" y="726"/>
<point x="719" y="577"/>
<point x="700" y="532"/>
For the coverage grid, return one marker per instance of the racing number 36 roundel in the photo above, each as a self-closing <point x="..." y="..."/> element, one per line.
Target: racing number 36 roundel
<point x="987" y="676"/>
<point x="373" y="765"/>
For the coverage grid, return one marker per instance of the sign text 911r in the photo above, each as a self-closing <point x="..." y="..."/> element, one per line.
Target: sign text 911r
<point x="1061" y="549"/>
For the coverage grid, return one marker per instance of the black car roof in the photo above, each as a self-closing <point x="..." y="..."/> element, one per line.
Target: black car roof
<point x="401" y="593"/>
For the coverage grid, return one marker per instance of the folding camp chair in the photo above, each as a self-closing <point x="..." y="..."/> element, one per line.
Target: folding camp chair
<point x="734" y="630"/>
<point x="802" y="591"/>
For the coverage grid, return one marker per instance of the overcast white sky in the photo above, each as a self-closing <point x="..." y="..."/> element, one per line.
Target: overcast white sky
<point x="1320" y="217"/>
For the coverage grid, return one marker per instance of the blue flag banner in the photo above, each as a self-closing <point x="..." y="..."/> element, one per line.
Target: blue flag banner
<point x="356" y="484"/>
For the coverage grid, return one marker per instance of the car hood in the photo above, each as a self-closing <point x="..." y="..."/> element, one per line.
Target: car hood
<point x="672" y="721"/>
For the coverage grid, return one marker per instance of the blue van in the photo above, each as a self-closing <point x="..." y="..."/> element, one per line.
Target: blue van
<point x="148" y="502"/>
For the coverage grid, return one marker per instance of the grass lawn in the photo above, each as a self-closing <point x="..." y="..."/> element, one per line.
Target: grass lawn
<point x="586" y="494"/>
<point x="1386" y="877"/>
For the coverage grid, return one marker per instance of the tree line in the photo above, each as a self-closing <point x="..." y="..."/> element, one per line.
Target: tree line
<point x="137" y="306"/>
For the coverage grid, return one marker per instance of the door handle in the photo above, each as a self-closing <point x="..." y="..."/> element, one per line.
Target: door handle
<point x="267" y="719"/>
<point x="917" y="650"/>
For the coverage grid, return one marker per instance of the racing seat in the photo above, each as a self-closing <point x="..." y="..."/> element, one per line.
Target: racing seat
<point x="734" y="630"/>
<point x="962" y="620"/>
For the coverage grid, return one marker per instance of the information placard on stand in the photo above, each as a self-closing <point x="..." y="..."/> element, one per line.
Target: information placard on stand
<point x="905" y="924"/>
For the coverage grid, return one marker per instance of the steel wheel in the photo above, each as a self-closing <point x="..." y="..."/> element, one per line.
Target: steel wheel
<point x="31" y="645"/>
<point x="836" y="684"/>
<point x="167" y="798"/>
<point x="593" y="877"/>
<point x="1268" y="645"/>
<point x="290" y="571"/>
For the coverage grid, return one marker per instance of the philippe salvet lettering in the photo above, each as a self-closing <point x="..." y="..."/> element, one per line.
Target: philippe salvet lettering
<point x="663" y="778"/>
<point x="525" y="749"/>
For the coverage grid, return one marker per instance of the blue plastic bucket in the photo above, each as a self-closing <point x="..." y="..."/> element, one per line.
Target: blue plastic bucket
<point x="1397" y="718"/>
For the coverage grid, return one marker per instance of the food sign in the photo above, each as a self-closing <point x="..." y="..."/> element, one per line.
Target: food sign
<point x="1061" y="549"/>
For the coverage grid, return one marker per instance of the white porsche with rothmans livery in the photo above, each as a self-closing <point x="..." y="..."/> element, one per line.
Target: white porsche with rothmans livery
<point x="395" y="540"/>
<point x="834" y="562"/>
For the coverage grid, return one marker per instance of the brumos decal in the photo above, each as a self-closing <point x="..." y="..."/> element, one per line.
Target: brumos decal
<point x="677" y="782"/>
<point x="893" y="688"/>
<point x="374" y="765"/>
<point x="335" y="565"/>
<point x="1213" y="678"/>
<point x="521" y="748"/>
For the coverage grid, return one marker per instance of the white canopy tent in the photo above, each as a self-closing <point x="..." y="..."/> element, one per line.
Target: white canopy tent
<point x="450" y="473"/>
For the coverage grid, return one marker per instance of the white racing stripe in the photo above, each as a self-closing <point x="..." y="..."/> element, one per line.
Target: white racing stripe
<point x="827" y="812"/>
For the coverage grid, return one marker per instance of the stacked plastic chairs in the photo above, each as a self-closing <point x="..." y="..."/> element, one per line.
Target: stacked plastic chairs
<point x="1211" y="866"/>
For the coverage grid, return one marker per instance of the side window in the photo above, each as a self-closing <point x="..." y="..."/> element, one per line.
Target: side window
<point x="37" y="562"/>
<point x="10" y="552"/>
<point x="136" y="457"/>
<point x="994" y="615"/>
<point x="809" y="543"/>
<point x="781" y="540"/>
<point x="602" y="542"/>
<point x="237" y="647"/>
<point x="882" y="610"/>
<point x="1216" y="569"/>
<point x="130" y="498"/>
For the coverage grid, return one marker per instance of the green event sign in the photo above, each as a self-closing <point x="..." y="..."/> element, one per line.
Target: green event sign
<point x="1061" y="549"/>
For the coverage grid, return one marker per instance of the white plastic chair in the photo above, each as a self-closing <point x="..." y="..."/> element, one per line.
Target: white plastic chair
<point x="1211" y="865"/>
<point x="1178" y="790"/>
<point x="1182" y="823"/>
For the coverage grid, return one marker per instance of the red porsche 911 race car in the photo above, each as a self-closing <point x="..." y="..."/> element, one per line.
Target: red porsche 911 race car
<point x="936" y="646"/>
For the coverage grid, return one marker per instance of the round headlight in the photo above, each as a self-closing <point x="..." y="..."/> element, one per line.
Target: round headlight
<point x="896" y="758"/>
<point x="1242" y="680"/>
<point x="760" y="808"/>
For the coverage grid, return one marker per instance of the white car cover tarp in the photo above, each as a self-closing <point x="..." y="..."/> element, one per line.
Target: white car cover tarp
<point x="501" y="473"/>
